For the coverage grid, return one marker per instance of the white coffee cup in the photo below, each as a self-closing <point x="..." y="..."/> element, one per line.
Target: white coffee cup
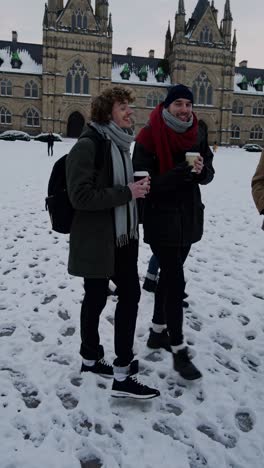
<point x="190" y="158"/>
<point x="138" y="175"/>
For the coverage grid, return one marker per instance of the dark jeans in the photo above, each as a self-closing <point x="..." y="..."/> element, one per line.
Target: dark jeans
<point x="170" y="290"/>
<point x="128" y="287"/>
<point x="50" y="148"/>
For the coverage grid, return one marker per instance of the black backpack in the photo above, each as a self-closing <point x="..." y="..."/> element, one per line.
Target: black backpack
<point x="57" y="203"/>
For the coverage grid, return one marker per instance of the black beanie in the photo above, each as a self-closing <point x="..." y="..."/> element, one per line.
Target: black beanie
<point x="178" y="92"/>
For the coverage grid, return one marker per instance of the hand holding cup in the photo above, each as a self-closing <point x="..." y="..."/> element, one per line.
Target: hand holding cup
<point x="141" y="187"/>
<point x="196" y="161"/>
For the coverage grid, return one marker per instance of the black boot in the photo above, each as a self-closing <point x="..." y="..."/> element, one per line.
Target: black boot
<point x="182" y="364"/>
<point x="159" y="340"/>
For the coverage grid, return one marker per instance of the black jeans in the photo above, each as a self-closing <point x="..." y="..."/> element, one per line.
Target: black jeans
<point x="127" y="282"/>
<point x="50" y="148"/>
<point x="170" y="289"/>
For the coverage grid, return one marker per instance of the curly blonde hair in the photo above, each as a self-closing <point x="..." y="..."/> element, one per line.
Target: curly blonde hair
<point x="102" y="105"/>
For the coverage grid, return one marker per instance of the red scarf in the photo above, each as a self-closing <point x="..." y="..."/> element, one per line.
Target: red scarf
<point x="161" y="140"/>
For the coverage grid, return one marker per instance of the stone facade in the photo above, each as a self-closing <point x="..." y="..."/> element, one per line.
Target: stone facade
<point x="50" y="86"/>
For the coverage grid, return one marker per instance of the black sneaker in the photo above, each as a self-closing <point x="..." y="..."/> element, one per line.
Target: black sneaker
<point x="182" y="364"/>
<point x="132" y="388"/>
<point x="159" y="340"/>
<point x="101" y="367"/>
<point x="150" y="285"/>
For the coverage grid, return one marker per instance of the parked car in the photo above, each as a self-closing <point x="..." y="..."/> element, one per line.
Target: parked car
<point x="43" y="137"/>
<point x="7" y="137"/>
<point x="15" y="135"/>
<point x="253" y="148"/>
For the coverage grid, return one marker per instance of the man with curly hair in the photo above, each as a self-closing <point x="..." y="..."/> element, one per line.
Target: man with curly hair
<point x="104" y="236"/>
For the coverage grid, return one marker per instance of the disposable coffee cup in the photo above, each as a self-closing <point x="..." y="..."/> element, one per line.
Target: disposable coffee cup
<point x="138" y="175"/>
<point x="190" y="158"/>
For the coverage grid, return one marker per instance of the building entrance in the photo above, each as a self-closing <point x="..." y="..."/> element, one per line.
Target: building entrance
<point x="75" y="125"/>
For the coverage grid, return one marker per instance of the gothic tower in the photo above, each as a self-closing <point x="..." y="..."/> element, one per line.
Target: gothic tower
<point x="202" y="57"/>
<point x="77" y="59"/>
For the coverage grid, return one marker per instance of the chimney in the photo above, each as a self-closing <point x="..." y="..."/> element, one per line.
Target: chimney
<point x="243" y="63"/>
<point x="14" y="36"/>
<point x="151" y="53"/>
<point x="129" y="51"/>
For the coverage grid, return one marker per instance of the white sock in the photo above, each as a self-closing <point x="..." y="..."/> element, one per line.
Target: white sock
<point x="158" y="328"/>
<point x="175" y="349"/>
<point x="121" y="373"/>
<point x="89" y="362"/>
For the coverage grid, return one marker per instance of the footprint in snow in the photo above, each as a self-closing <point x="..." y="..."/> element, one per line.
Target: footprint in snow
<point x="91" y="463"/>
<point x="226" y="439"/>
<point x="6" y="330"/>
<point x="251" y="361"/>
<point x="67" y="399"/>
<point x="28" y="391"/>
<point x="37" y="337"/>
<point x="243" y="319"/>
<point x="245" y="420"/>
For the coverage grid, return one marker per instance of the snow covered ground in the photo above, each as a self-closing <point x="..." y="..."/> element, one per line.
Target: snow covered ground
<point x="53" y="417"/>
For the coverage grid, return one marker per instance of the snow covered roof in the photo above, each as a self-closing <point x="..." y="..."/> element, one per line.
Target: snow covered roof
<point x="250" y="79"/>
<point x="135" y="65"/>
<point x="29" y="54"/>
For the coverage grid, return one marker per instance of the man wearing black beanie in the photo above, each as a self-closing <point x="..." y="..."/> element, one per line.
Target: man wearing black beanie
<point x="173" y="211"/>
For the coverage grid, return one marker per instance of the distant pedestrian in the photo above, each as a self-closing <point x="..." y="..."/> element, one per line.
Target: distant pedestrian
<point x="50" y="141"/>
<point x="215" y="147"/>
<point x="257" y="185"/>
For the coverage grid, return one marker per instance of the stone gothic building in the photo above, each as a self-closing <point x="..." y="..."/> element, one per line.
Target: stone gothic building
<point x="50" y="86"/>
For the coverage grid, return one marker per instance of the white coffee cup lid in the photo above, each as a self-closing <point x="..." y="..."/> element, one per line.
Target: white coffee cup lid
<point x="141" y="173"/>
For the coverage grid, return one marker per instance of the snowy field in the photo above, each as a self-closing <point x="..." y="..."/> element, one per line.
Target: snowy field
<point x="53" y="417"/>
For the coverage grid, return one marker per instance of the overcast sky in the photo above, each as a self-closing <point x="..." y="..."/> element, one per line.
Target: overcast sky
<point x="142" y="24"/>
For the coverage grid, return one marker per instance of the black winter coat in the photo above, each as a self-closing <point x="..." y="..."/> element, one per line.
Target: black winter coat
<point x="173" y="211"/>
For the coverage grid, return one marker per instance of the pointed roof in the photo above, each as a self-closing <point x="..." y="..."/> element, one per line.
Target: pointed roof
<point x="168" y="33"/>
<point x="199" y="10"/>
<point x="227" y="12"/>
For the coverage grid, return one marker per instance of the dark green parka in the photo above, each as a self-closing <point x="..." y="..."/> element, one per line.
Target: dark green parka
<point x="89" y="177"/>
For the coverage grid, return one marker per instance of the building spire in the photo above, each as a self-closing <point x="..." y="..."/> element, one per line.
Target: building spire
<point x="227" y="13"/>
<point x="181" y="9"/>
<point x="234" y="42"/>
<point x="168" y="33"/>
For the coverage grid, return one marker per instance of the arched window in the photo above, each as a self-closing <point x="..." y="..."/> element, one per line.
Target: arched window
<point x="6" y="88"/>
<point x="153" y="99"/>
<point x="85" y="84"/>
<point x="77" y="84"/>
<point x="235" y="131"/>
<point x="73" y="21"/>
<point x="258" y="108"/>
<point x="32" y="118"/>
<point x="31" y="89"/>
<point x="77" y="79"/>
<point x="256" y="133"/>
<point x="202" y="90"/>
<point x="69" y="83"/>
<point x="206" y="35"/>
<point x="85" y="22"/>
<point x="5" y="116"/>
<point x="79" y="19"/>
<point x="237" y="107"/>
